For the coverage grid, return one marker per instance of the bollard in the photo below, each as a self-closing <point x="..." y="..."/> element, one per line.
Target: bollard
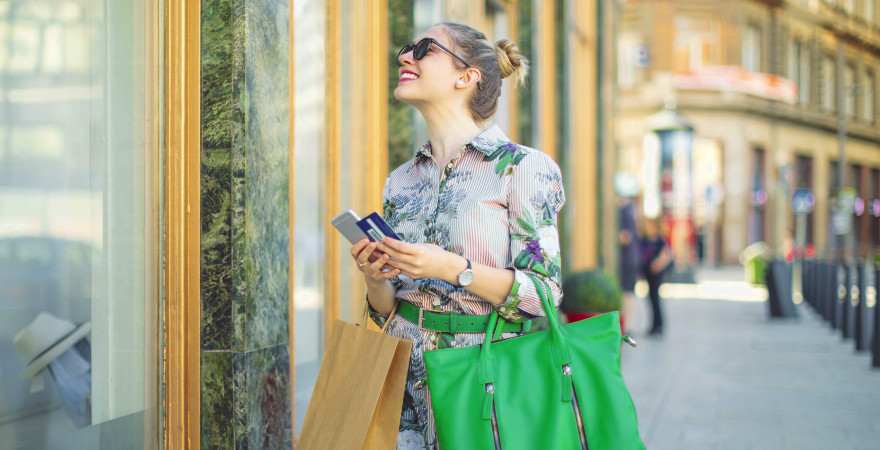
<point x="823" y="289"/>
<point x="828" y="289"/>
<point x="779" y="284"/>
<point x="859" y="308"/>
<point x="846" y="319"/>
<point x="808" y="282"/>
<point x="839" y="296"/>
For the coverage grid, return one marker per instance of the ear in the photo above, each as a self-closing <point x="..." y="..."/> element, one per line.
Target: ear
<point x="469" y="77"/>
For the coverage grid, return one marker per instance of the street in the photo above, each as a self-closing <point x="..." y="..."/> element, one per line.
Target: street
<point x="724" y="376"/>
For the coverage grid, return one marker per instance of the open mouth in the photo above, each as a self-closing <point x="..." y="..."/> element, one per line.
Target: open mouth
<point x="407" y="75"/>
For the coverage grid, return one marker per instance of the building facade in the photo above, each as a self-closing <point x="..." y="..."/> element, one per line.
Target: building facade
<point x="168" y="173"/>
<point x="772" y="89"/>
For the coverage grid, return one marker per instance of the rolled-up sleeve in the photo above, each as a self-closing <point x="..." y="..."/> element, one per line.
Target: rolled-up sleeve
<point x="535" y="197"/>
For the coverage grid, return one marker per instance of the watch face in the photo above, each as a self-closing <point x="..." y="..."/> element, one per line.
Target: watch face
<point x="465" y="277"/>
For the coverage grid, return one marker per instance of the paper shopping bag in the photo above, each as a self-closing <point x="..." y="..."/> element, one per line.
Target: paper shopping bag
<point x="358" y="396"/>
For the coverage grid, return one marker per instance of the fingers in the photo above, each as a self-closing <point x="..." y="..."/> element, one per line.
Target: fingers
<point x="358" y="246"/>
<point x="375" y="269"/>
<point x="363" y="258"/>
<point x="399" y="246"/>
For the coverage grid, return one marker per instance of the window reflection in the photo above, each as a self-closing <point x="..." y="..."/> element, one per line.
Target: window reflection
<point x="78" y="223"/>
<point x="309" y="19"/>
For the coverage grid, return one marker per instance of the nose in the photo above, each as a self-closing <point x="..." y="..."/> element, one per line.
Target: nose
<point x="406" y="59"/>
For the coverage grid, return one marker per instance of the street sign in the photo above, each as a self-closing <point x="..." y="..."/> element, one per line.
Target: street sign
<point x="802" y="201"/>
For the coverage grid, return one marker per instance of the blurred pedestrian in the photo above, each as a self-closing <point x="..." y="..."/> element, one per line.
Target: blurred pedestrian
<point x="656" y="259"/>
<point x="628" y="244"/>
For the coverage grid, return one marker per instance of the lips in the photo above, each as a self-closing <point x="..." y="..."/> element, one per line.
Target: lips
<point x="407" y="75"/>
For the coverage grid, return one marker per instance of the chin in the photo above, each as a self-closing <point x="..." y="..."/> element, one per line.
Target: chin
<point x="403" y="94"/>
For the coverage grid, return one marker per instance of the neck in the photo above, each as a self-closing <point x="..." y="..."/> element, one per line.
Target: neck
<point x="449" y="130"/>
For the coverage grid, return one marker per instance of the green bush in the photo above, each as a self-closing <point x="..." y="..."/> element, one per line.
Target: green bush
<point x="592" y="291"/>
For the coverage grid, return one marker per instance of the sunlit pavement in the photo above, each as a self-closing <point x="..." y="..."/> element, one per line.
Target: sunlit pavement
<point x="724" y="376"/>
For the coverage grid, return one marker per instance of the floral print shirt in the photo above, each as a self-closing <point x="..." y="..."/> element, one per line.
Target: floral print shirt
<point x="495" y="204"/>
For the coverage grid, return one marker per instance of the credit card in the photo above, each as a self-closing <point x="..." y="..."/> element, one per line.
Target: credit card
<point x="375" y="228"/>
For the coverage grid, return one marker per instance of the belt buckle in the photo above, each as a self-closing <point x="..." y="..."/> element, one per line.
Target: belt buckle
<point x="421" y="317"/>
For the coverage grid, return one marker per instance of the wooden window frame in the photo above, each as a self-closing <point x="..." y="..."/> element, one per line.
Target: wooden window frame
<point x="181" y="337"/>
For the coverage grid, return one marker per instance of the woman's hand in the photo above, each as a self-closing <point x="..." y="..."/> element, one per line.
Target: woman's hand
<point x="422" y="260"/>
<point x="371" y="265"/>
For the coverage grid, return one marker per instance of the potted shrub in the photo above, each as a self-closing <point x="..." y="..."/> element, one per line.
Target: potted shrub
<point x="589" y="293"/>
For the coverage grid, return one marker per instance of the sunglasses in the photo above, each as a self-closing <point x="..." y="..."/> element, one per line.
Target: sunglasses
<point x="421" y="48"/>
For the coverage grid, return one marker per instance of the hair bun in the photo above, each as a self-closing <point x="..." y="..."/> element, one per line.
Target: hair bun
<point x="511" y="61"/>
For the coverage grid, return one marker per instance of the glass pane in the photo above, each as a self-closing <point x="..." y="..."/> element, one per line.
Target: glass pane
<point x="79" y="224"/>
<point x="309" y="44"/>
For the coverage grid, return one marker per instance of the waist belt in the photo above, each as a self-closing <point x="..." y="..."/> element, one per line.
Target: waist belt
<point x="453" y="322"/>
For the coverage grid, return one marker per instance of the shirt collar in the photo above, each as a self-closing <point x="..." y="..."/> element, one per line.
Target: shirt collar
<point x="486" y="142"/>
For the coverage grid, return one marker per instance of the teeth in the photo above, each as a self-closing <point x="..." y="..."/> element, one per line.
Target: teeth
<point x="408" y="76"/>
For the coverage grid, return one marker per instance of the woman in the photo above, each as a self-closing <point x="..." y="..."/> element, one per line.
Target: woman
<point x="656" y="258"/>
<point x="475" y="213"/>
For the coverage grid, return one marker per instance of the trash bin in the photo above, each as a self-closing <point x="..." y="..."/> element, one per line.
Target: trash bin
<point x="754" y="261"/>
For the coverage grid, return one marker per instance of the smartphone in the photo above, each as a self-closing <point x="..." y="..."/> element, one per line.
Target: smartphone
<point x="375" y="228"/>
<point x="347" y="224"/>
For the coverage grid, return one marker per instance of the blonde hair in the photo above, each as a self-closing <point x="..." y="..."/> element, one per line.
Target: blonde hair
<point x="495" y="62"/>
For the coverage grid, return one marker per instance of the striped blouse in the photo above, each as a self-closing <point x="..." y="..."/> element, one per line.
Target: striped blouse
<point x="496" y="204"/>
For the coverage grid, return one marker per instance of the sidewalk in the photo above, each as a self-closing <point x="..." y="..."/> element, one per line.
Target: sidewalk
<point x="725" y="377"/>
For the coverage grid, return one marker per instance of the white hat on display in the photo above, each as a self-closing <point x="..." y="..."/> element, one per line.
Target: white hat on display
<point x="45" y="339"/>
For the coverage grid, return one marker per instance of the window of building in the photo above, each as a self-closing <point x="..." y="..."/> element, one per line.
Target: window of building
<point x="751" y="48"/>
<point x="805" y="65"/>
<point x="868" y="86"/>
<point x="697" y="43"/>
<point x="874" y="216"/>
<point x="849" y="89"/>
<point x="804" y="180"/>
<point x="828" y="84"/>
<point x="758" y="214"/>
<point x="793" y="60"/>
<point x="798" y="69"/>
<point x="871" y="10"/>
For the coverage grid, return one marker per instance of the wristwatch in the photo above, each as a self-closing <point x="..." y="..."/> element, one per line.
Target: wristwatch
<point x="466" y="276"/>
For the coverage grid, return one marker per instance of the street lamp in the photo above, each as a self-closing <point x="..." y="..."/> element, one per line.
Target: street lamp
<point x="674" y="162"/>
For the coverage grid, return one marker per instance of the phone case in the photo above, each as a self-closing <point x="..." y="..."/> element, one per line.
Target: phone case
<point x="347" y="224"/>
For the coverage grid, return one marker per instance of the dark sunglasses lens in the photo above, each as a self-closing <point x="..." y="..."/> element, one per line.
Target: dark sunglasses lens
<point x="422" y="49"/>
<point x="405" y="49"/>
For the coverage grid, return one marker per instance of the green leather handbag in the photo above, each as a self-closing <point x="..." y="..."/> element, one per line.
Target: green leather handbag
<point x="557" y="389"/>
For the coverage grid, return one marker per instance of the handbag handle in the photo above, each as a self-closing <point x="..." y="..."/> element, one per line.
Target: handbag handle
<point x="560" y="347"/>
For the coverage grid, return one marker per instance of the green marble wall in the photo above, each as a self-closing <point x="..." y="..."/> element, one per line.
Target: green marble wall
<point x="245" y="371"/>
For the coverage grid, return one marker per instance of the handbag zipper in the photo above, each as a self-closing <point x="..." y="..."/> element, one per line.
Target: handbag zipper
<point x="496" y="435"/>
<point x="582" y="433"/>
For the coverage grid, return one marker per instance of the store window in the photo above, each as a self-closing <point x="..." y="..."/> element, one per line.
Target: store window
<point x="309" y="229"/>
<point x="80" y="203"/>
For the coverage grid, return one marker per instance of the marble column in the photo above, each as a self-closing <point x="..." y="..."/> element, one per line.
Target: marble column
<point x="244" y="243"/>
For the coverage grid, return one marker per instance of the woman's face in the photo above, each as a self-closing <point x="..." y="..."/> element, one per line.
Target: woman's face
<point x="438" y="77"/>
